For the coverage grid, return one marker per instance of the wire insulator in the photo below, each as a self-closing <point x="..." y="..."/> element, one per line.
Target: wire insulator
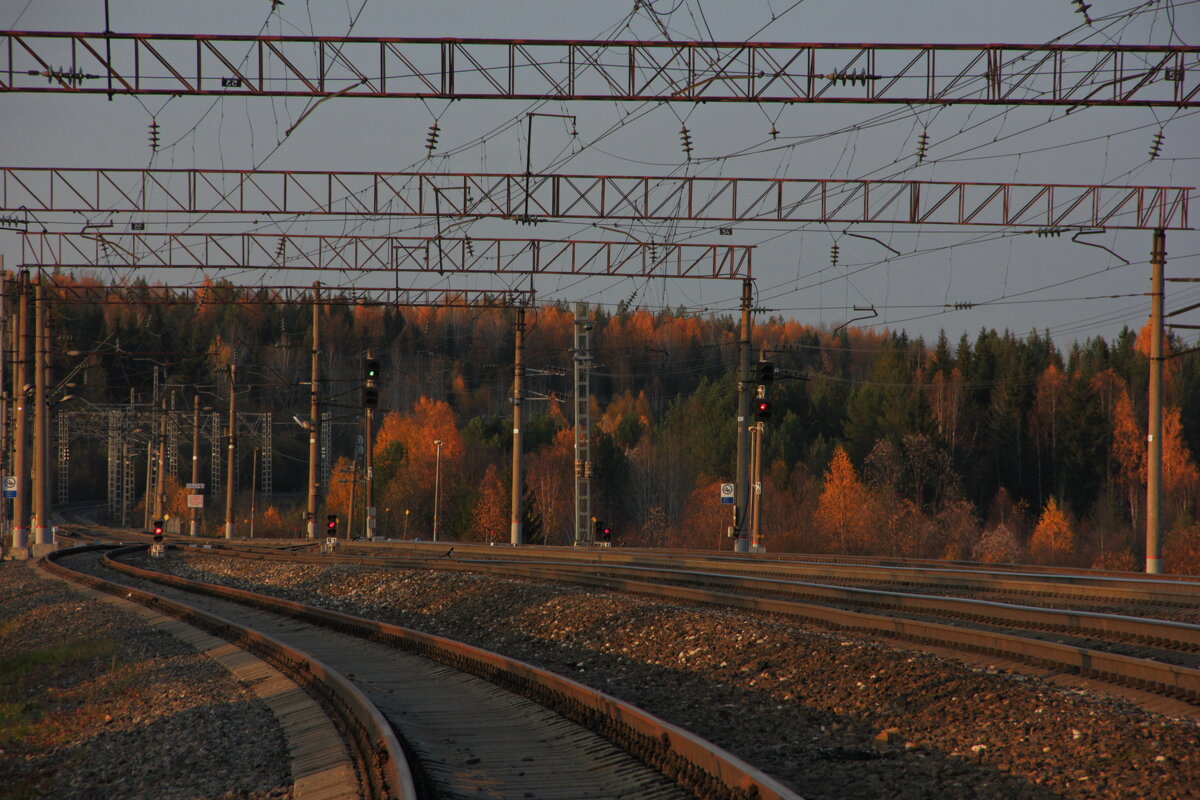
<point x="922" y="145"/>
<point x="281" y="249"/>
<point x="1052" y="233"/>
<point x="432" y="139"/>
<point x="833" y="254"/>
<point x="153" y="134"/>
<point x="1082" y="8"/>
<point x="685" y="139"/>
<point x="469" y="246"/>
<point x="1156" y="144"/>
<point x="851" y="77"/>
<point x="774" y="132"/>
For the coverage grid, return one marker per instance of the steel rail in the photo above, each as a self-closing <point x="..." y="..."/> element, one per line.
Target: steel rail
<point x="1179" y="635"/>
<point x="530" y="198"/>
<point x="632" y="70"/>
<point x="694" y="763"/>
<point x="381" y="759"/>
<point x="644" y="580"/>
<point x="1065" y="585"/>
<point x="1167" y="678"/>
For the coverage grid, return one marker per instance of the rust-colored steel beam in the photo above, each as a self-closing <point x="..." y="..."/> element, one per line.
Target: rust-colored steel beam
<point x="222" y="294"/>
<point x="617" y="197"/>
<point x="367" y="254"/>
<point x="529" y="69"/>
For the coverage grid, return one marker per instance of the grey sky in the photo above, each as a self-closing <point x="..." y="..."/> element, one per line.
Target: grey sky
<point x="1017" y="281"/>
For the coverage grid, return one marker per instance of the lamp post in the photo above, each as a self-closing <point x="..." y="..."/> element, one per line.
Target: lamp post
<point x="437" y="479"/>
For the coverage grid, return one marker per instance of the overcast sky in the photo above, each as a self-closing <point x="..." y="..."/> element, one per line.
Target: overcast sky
<point x="1013" y="280"/>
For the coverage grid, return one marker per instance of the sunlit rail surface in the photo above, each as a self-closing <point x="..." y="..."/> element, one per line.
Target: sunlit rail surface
<point x="468" y="718"/>
<point x="1118" y="627"/>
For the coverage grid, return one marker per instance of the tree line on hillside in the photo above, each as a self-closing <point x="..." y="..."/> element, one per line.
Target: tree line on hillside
<point x="999" y="448"/>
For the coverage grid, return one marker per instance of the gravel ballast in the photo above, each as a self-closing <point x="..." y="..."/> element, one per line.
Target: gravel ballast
<point x="834" y="716"/>
<point x="114" y="708"/>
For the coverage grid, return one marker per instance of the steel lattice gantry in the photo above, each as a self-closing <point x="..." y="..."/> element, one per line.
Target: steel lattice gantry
<point x="363" y="254"/>
<point x="557" y="69"/>
<point x="125" y="429"/>
<point x="224" y="294"/>
<point x="614" y="197"/>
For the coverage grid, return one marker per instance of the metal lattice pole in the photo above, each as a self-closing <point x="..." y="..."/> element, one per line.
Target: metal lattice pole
<point x="126" y="480"/>
<point x="173" y="443"/>
<point x="326" y="446"/>
<point x="265" y="443"/>
<point x="583" y="427"/>
<point x="114" y="463"/>
<point x="64" y="455"/>
<point x="214" y="441"/>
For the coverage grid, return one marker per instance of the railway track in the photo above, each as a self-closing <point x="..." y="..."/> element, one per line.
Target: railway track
<point x="472" y="723"/>
<point x="1157" y="655"/>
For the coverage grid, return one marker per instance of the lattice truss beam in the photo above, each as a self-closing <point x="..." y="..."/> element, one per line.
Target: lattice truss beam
<point x="158" y="294"/>
<point x="304" y="66"/>
<point x="531" y="197"/>
<point x="368" y="254"/>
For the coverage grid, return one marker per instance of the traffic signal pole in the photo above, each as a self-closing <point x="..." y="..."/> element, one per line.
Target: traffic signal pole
<point x="741" y="542"/>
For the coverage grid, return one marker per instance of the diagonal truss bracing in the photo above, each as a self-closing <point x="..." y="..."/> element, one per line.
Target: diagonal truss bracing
<point x="220" y="294"/>
<point x="367" y="254"/>
<point x="1007" y="74"/>
<point x="616" y="197"/>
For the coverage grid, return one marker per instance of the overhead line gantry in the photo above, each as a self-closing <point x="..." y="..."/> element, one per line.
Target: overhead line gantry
<point x="632" y="70"/>
<point x="532" y="198"/>
<point x="387" y="254"/>
<point x="757" y="72"/>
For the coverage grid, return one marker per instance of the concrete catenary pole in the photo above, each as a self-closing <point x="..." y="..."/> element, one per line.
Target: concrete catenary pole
<point x="21" y="431"/>
<point x="195" y="525"/>
<point x="1158" y="257"/>
<point x="5" y="360"/>
<point x="369" y="466"/>
<point x="232" y="454"/>
<point x="517" y="530"/>
<point x="41" y="530"/>
<point x="742" y="487"/>
<point x="314" y="416"/>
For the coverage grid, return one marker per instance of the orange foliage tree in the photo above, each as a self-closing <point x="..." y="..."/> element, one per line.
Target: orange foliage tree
<point x="844" y="512"/>
<point x="1129" y="455"/>
<point x="705" y="520"/>
<point x="492" y="507"/>
<point x="406" y="462"/>
<point x="1053" y="540"/>
<point x="548" y="478"/>
<point x="1180" y="476"/>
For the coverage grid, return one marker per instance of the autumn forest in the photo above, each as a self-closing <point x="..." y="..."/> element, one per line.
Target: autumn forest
<point x="1004" y="447"/>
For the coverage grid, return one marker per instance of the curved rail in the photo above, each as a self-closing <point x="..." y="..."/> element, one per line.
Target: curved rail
<point x="374" y="745"/>
<point x="697" y="765"/>
<point x="1068" y="584"/>
<point x="1171" y="679"/>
